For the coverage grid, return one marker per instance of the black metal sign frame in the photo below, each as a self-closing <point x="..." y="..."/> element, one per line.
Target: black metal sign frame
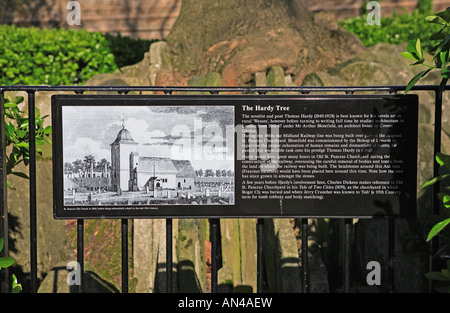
<point x="277" y="156"/>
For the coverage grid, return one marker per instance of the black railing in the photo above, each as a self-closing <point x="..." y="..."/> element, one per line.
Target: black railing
<point x="214" y="223"/>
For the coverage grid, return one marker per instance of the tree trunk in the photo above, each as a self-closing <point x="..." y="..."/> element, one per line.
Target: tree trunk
<point x="242" y="37"/>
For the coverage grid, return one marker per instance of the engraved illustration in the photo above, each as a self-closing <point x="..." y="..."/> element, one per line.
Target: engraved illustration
<point x="148" y="155"/>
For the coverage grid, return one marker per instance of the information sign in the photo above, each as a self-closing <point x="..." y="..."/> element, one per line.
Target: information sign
<point x="234" y="156"/>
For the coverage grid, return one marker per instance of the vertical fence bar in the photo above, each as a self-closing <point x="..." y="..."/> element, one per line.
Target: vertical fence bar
<point x="260" y="255"/>
<point x="437" y="148"/>
<point x="305" y="272"/>
<point x="124" y="256"/>
<point x="347" y="254"/>
<point x="214" y="253"/>
<point x="4" y="274"/>
<point x="437" y="142"/>
<point x="32" y="175"/>
<point x="80" y="253"/>
<point x="169" y="256"/>
<point x="390" y="254"/>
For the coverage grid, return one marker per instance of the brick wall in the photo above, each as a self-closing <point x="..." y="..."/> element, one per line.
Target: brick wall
<point x="152" y="19"/>
<point x="350" y="8"/>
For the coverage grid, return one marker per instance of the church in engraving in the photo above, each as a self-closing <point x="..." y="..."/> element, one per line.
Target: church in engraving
<point x="133" y="169"/>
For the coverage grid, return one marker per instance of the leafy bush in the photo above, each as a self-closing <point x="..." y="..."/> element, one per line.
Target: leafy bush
<point x="441" y="60"/>
<point x="17" y="135"/>
<point x="7" y="262"/>
<point x="394" y="30"/>
<point x="127" y="50"/>
<point x="32" y="56"/>
<point x="425" y="6"/>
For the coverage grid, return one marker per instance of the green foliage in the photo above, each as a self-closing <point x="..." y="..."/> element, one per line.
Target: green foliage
<point x="394" y="30"/>
<point x="17" y="135"/>
<point x="424" y="6"/>
<point x="440" y="50"/>
<point x="32" y="56"/>
<point x="441" y="60"/>
<point x="440" y="228"/>
<point x="442" y="278"/>
<point x="7" y="262"/>
<point x="437" y="228"/>
<point x="127" y="50"/>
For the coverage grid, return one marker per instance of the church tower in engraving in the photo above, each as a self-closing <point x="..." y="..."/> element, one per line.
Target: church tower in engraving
<point x="121" y="149"/>
<point x="133" y="167"/>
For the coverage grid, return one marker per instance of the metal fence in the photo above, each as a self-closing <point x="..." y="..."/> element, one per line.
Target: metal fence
<point x="214" y="223"/>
